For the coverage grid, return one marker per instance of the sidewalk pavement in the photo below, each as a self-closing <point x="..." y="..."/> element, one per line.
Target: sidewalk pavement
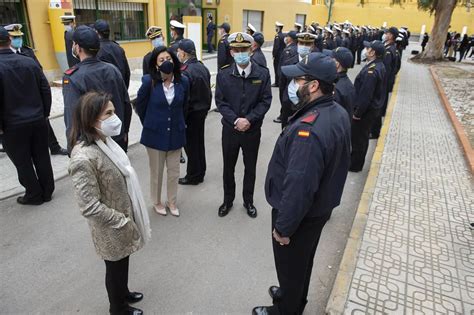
<point x="416" y="252"/>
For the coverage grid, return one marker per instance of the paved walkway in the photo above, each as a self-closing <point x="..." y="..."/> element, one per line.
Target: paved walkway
<point x="417" y="251"/>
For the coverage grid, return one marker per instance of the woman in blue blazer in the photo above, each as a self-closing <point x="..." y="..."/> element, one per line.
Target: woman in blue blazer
<point x="160" y="104"/>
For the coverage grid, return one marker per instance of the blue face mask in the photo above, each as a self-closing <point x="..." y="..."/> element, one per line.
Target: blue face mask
<point x="157" y="42"/>
<point x="17" y="42"/>
<point x="242" y="58"/>
<point x="293" y="92"/>
<point x="303" y="51"/>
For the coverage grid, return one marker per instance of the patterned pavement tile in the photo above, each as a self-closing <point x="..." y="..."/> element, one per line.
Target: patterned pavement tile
<point x="417" y="252"/>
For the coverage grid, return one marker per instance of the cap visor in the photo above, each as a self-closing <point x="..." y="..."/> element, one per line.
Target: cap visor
<point x="292" y="71"/>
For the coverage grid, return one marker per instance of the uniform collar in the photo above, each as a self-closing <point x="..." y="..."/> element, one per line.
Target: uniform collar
<point x="323" y="101"/>
<point x="89" y="60"/>
<point x="342" y="74"/>
<point x="191" y="60"/>
<point x="238" y="70"/>
<point x="15" y="51"/>
<point x="6" y="51"/>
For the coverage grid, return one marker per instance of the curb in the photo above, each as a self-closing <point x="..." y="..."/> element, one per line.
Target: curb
<point x="458" y="128"/>
<point x="340" y="291"/>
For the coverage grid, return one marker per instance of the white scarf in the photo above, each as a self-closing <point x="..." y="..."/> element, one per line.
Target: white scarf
<point x="120" y="159"/>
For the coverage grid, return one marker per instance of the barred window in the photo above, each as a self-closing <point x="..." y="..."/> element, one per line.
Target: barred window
<point x="14" y="12"/>
<point x="127" y="20"/>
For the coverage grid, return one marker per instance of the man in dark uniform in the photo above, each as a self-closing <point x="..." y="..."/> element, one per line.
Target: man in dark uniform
<point x="111" y="52"/>
<point x="25" y="103"/>
<point x="257" y="54"/>
<point x="16" y="38"/>
<point x="223" y="49"/>
<point x="243" y="96"/>
<point x="337" y="36"/>
<point x="391" y="62"/>
<point x="305" y="180"/>
<point x="210" y="30"/>
<point x="305" y="46"/>
<point x="69" y="26"/>
<point x="370" y="94"/>
<point x="289" y="56"/>
<point x="93" y="74"/>
<point x="362" y="36"/>
<point x="344" y="93"/>
<point x="298" y="27"/>
<point x="328" y="39"/>
<point x="196" y="111"/>
<point x="346" y="39"/>
<point x="177" y="32"/>
<point x="155" y="35"/>
<point x="278" y="46"/>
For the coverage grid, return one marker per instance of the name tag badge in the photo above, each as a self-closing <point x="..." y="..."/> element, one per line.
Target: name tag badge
<point x="256" y="81"/>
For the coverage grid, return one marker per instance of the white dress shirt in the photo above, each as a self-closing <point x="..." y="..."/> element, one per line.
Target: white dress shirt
<point x="169" y="92"/>
<point x="247" y="70"/>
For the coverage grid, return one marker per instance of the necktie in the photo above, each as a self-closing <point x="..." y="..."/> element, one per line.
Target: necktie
<point x="243" y="74"/>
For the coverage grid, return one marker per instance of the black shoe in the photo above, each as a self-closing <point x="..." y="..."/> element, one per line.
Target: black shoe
<point x="277" y="120"/>
<point x="216" y="110"/>
<point x="23" y="201"/>
<point x="251" y="210"/>
<point x="2" y="150"/>
<point x="47" y="199"/>
<point x="134" y="297"/>
<point x="185" y="181"/>
<point x="264" y="310"/>
<point x="275" y="293"/>
<point x="224" y="209"/>
<point x="134" y="311"/>
<point x="182" y="160"/>
<point x="372" y="136"/>
<point x="60" y="151"/>
<point x="354" y="170"/>
<point x="274" y="85"/>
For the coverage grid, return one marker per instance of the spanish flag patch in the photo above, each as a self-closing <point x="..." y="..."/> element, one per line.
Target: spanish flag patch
<point x="303" y="133"/>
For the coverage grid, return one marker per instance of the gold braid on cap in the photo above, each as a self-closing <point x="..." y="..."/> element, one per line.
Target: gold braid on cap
<point x="240" y="42"/>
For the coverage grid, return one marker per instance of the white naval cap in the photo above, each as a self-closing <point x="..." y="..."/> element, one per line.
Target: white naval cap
<point x="251" y="27"/>
<point x="176" y="24"/>
<point x="279" y="24"/>
<point x="298" y="24"/>
<point x="240" y="40"/>
<point x="327" y="29"/>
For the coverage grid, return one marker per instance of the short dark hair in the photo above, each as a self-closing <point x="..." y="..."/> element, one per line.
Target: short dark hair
<point x="325" y="87"/>
<point x="104" y="34"/>
<point x="90" y="106"/>
<point x="154" y="73"/>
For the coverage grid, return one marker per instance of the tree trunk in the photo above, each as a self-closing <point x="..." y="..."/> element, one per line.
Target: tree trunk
<point x="435" y="47"/>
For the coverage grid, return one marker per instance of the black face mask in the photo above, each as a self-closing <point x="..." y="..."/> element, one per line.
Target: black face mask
<point x="166" y="67"/>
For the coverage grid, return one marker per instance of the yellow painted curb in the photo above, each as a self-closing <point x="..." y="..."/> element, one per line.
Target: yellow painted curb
<point x="340" y="291"/>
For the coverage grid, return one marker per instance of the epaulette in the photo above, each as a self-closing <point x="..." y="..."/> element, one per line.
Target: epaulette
<point x="71" y="70"/>
<point x="372" y="66"/>
<point x="310" y="118"/>
<point x="184" y="67"/>
<point x="225" y="66"/>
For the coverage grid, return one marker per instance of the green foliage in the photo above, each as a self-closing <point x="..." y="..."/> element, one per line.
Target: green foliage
<point x="427" y="5"/>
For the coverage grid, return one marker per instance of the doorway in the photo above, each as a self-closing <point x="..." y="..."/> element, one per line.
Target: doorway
<point x="206" y="13"/>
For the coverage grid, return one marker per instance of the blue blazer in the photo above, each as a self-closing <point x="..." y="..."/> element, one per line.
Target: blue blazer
<point x="164" y="128"/>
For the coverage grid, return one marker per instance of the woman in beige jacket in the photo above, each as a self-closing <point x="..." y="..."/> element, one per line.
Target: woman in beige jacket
<point x="103" y="192"/>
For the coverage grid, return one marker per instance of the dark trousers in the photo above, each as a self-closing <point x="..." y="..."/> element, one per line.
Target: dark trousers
<point x="360" y="138"/>
<point x="285" y="113"/>
<point x="353" y="57"/>
<point x="276" y="68"/>
<point x="52" y="140"/>
<point x="359" y="56"/>
<point x="116" y="282"/>
<point x="232" y="142"/>
<point x="294" y="264"/>
<point x="377" y="124"/>
<point x="195" y="149"/>
<point x="27" y="147"/>
<point x="210" y="47"/>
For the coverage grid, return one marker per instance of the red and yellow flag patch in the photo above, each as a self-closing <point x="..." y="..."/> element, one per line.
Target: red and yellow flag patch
<point x="303" y="133"/>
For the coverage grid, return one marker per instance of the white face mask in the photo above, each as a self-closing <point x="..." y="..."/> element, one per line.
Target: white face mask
<point x="363" y="54"/>
<point x="384" y="38"/>
<point x="111" y="126"/>
<point x="292" y="92"/>
<point x="157" y="42"/>
<point x="73" y="52"/>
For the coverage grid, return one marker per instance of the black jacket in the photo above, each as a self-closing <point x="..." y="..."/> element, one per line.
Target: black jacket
<point x="289" y="57"/>
<point x="25" y="95"/>
<point x="28" y="52"/>
<point x="224" y="57"/>
<point x="278" y="45"/>
<point x="92" y="74"/>
<point x="210" y="28"/>
<point x="309" y="165"/>
<point x="370" y="87"/>
<point x="344" y="94"/>
<point x="146" y="63"/>
<point x="391" y="62"/>
<point x="259" y="57"/>
<point x="71" y="61"/>
<point x="238" y="97"/>
<point x="111" y="52"/>
<point x="200" y="94"/>
<point x="175" y="43"/>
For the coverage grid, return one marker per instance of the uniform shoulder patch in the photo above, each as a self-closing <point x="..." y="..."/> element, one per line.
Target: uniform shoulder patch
<point x="303" y="133"/>
<point x="310" y="118"/>
<point x="71" y="70"/>
<point x="225" y="66"/>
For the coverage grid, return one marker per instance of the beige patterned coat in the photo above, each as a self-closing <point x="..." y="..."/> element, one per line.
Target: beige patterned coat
<point x="101" y="192"/>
